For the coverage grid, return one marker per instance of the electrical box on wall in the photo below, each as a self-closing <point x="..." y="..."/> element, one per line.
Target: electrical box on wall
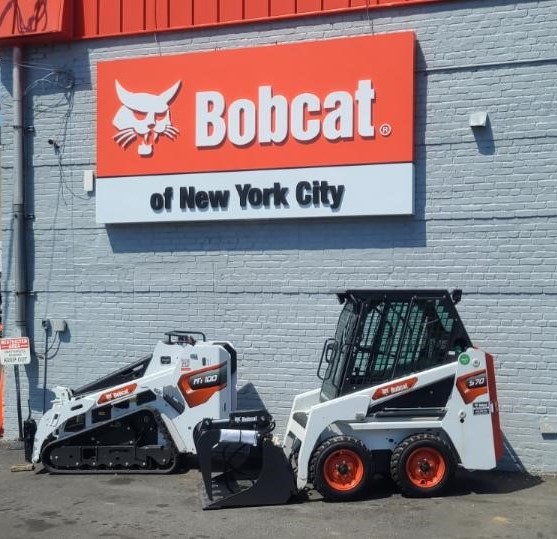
<point x="478" y="119"/>
<point x="548" y="425"/>
<point x="88" y="181"/>
<point x="59" y="325"/>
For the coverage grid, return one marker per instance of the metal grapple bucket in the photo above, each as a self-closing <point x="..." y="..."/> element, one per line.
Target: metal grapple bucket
<point x="240" y="464"/>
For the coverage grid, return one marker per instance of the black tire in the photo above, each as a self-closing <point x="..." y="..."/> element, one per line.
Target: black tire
<point x="340" y="468"/>
<point x="423" y="465"/>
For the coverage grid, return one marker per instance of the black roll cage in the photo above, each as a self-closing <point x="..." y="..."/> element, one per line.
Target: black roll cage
<point x="364" y="301"/>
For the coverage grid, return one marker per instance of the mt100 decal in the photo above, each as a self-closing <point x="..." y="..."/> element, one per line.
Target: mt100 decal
<point x="199" y="386"/>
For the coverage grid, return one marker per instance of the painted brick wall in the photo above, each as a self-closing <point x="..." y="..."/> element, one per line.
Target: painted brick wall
<point x="485" y="222"/>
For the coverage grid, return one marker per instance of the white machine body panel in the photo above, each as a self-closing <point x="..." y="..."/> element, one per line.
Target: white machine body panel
<point x="185" y="382"/>
<point x="469" y="421"/>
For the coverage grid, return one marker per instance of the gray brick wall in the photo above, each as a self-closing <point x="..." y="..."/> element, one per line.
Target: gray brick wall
<point x="485" y="221"/>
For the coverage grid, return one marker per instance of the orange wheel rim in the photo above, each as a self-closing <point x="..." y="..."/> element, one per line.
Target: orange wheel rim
<point x="343" y="470"/>
<point x="425" y="467"/>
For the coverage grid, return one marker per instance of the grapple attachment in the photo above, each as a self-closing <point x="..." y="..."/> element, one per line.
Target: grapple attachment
<point x="252" y="470"/>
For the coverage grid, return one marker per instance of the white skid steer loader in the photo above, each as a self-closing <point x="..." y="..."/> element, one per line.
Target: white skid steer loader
<point x="403" y="393"/>
<point x="138" y="419"/>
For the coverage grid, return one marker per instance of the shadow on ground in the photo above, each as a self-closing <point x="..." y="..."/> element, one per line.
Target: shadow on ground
<point x="465" y="483"/>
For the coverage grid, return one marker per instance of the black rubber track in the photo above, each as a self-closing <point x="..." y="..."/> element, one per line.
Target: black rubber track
<point x="120" y="470"/>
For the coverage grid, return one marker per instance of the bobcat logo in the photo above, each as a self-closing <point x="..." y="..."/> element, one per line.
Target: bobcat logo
<point x="146" y="116"/>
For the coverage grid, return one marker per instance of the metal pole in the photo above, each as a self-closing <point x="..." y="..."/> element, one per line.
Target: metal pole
<point x="46" y="325"/>
<point x="19" y="218"/>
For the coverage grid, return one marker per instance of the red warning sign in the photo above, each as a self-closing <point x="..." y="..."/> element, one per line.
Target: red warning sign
<point x="15" y="351"/>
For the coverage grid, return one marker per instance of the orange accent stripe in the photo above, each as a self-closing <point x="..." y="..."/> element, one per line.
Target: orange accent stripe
<point x="195" y="397"/>
<point x="113" y="394"/>
<point x="395" y="388"/>
<point x="200" y="396"/>
<point x="470" y="394"/>
<point x="495" y="423"/>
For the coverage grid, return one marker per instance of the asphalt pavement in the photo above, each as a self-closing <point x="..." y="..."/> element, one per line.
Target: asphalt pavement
<point x="481" y="505"/>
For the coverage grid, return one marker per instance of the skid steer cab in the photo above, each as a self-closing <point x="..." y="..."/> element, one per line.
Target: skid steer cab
<point x="404" y="393"/>
<point x="141" y="418"/>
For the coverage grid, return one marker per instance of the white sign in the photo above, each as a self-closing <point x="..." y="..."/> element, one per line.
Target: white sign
<point x="15" y="351"/>
<point x="356" y="190"/>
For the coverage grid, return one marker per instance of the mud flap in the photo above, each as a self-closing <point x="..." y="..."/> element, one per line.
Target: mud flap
<point x="264" y="477"/>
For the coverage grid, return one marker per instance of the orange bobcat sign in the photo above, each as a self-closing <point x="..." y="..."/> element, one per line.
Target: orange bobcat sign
<point x="309" y="129"/>
<point x="345" y="101"/>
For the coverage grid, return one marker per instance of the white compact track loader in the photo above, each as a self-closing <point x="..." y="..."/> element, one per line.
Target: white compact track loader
<point x="140" y="418"/>
<point x="403" y="393"/>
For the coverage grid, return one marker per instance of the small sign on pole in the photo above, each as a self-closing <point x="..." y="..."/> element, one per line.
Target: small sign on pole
<point x="15" y="351"/>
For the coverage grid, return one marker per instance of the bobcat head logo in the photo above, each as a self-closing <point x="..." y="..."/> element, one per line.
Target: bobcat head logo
<point x="146" y="116"/>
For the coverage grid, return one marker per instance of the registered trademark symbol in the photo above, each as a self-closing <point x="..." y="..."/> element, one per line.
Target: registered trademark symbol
<point x="385" y="130"/>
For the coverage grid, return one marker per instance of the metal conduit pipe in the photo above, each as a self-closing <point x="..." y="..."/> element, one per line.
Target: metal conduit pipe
<point x="20" y="272"/>
<point x="20" y="259"/>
